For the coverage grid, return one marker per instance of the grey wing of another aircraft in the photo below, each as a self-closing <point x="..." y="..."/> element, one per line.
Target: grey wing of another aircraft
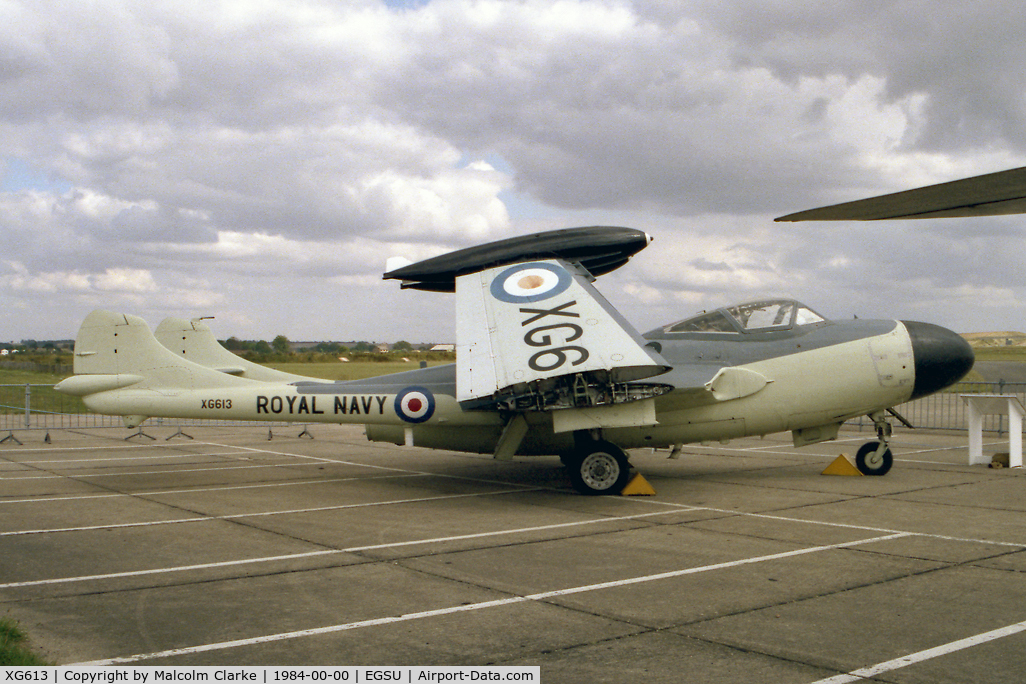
<point x="993" y="194"/>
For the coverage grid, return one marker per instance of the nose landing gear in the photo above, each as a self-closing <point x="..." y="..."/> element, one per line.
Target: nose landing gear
<point x="875" y="458"/>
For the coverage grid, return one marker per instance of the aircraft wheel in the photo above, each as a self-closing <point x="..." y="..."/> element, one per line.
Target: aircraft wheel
<point x="869" y="462"/>
<point x="600" y="468"/>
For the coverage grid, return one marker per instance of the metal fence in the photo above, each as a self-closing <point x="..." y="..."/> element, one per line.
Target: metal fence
<point x="947" y="410"/>
<point x="39" y="407"/>
<point x="36" y="407"/>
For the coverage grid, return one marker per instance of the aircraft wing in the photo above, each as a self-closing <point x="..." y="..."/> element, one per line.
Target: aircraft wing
<point x="992" y="194"/>
<point x="522" y="328"/>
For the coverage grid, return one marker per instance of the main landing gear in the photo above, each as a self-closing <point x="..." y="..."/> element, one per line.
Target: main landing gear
<point x="875" y="458"/>
<point x="597" y="466"/>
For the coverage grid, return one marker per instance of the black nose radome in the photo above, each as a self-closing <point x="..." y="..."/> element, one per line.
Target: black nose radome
<point x="942" y="357"/>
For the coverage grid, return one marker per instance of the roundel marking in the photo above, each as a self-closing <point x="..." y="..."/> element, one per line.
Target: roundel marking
<point x="415" y="404"/>
<point x="530" y="282"/>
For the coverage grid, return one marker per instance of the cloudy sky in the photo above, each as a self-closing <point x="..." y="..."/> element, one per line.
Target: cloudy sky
<point x="258" y="160"/>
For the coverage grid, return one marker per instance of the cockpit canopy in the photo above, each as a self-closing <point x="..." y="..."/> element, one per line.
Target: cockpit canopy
<point x="764" y="315"/>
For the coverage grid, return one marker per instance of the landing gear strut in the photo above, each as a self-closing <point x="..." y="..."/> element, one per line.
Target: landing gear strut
<point x="875" y="458"/>
<point x="597" y="467"/>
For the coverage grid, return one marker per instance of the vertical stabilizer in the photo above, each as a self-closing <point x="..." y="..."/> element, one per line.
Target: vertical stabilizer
<point x="119" y="344"/>
<point x="195" y="341"/>
<point x="112" y="344"/>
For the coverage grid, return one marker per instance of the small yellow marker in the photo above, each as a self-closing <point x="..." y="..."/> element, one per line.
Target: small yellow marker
<point x="638" y="486"/>
<point x="842" y="465"/>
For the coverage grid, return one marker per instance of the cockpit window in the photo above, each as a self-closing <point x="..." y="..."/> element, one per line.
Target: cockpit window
<point x="761" y="315"/>
<point x="714" y="321"/>
<point x="769" y="314"/>
<point x="806" y="316"/>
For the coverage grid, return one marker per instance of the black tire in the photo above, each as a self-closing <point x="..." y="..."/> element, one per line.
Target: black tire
<point x="599" y="468"/>
<point x="868" y="463"/>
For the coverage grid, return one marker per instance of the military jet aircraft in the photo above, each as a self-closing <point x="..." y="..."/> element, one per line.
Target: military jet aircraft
<point x="546" y="366"/>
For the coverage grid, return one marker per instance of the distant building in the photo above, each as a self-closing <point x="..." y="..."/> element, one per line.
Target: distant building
<point x="996" y="339"/>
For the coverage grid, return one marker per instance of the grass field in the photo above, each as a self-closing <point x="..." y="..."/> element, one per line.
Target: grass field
<point x="13" y="649"/>
<point x="355" y="370"/>
<point x="17" y="377"/>
<point x="44" y="398"/>
<point x="1016" y="354"/>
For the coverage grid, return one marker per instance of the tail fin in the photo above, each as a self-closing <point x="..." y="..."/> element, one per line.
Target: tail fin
<point x="117" y="350"/>
<point x="195" y="341"/>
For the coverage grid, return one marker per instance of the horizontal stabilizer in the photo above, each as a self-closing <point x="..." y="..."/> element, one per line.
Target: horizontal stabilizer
<point x="83" y="385"/>
<point x="993" y="194"/>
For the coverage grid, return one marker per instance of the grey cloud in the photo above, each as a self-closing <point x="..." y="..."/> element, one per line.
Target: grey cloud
<point x="81" y="60"/>
<point x="965" y="57"/>
<point x="655" y="116"/>
<point x="298" y="127"/>
<point x="160" y="225"/>
<point x="703" y="264"/>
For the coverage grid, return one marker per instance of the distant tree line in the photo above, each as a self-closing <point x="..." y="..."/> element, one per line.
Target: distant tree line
<point x="43" y="346"/>
<point x="44" y="352"/>
<point x="278" y="350"/>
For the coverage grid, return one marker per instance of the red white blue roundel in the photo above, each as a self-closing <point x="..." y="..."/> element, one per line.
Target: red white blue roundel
<point x="414" y="404"/>
<point x="530" y="282"/>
